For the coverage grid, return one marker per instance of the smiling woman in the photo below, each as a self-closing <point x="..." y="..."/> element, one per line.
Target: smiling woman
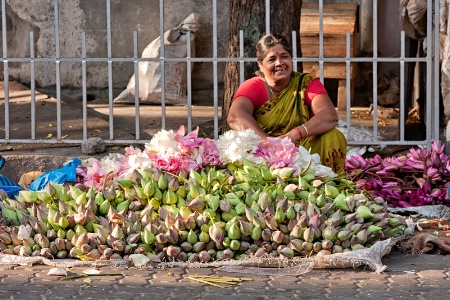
<point x="278" y="102"/>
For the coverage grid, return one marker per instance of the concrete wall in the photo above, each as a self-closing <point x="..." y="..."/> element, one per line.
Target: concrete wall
<point x="90" y="16"/>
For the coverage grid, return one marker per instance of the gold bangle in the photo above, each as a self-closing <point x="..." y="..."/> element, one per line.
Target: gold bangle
<point x="306" y="129"/>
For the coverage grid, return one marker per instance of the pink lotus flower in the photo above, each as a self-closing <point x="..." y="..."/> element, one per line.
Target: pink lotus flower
<point x="279" y="153"/>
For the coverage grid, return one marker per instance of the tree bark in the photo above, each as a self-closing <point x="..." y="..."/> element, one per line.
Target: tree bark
<point x="249" y="16"/>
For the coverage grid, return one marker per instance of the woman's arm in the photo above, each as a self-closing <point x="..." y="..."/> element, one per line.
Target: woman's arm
<point x="325" y="118"/>
<point x="240" y="116"/>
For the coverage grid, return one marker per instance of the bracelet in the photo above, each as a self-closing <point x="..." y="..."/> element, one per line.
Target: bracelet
<point x="306" y="129"/>
<point x="299" y="132"/>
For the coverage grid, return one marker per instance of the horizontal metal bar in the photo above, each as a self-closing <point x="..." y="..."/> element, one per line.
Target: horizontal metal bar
<point x="208" y="59"/>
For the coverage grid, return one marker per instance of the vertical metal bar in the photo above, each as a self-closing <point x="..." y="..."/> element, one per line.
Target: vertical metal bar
<point x="5" y="70"/>
<point x="33" y="88"/>
<point x="436" y="77"/>
<point x="58" y="73"/>
<point x="267" y="16"/>
<point x="347" y="81"/>
<point x="375" y="71"/>
<point x="294" y="50"/>
<point x="83" y="79"/>
<point x="429" y="59"/>
<point x="110" y="82"/>
<point x="161" y="59"/>
<point x="402" y="87"/>
<point x="241" y="55"/>
<point x="189" y="81"/>
<point x="216" y="100"/>
<point x="136" y="85"/>
<point x="321" y="40"/>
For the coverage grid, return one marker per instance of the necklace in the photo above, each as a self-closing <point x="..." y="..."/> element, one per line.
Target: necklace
<point x="272" y="92"/>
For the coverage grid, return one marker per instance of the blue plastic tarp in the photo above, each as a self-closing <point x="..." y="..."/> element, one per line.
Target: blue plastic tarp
<point x="68" y="173"/>
<point x="9" y="186"/>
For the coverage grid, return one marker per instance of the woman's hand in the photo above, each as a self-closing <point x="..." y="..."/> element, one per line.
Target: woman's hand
<point x="240" y="117"/>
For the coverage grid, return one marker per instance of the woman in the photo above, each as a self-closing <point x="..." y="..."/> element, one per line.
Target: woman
<point x="282" y="103"/>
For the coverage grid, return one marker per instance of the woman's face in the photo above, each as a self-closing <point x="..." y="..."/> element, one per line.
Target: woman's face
<point x="277" y="65"/>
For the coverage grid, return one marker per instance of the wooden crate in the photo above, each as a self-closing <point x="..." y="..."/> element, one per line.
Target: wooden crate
<point x="338" y="19"/>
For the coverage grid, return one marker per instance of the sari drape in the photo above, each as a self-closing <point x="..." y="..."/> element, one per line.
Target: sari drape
<point x="288" y="109"/>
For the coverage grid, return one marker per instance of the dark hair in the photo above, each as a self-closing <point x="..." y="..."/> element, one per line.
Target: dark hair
<point x="268" y="41"/>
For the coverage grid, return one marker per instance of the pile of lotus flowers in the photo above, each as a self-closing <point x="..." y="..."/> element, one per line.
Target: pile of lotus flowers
<point x="213" y="214"/>
<point x="419" y="177"/>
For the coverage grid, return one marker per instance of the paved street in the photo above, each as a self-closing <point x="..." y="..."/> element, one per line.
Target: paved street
<point x="407" y="277"/>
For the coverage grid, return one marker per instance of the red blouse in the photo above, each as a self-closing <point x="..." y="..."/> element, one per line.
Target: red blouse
<point x="255" y="90"/>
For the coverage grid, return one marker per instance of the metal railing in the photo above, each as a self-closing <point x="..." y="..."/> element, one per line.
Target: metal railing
<point x="431" y="60"/>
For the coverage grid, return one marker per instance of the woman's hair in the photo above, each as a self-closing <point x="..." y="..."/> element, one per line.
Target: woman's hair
<point x="268" y="41"/>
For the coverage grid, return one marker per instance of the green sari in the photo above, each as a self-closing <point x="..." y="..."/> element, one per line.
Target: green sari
<point x="287" y="110"/>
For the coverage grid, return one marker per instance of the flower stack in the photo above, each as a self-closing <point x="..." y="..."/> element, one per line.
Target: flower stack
<point x="186" y="198"/>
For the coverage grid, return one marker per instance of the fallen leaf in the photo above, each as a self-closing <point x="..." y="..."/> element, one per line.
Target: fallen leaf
<point x="19" y="147"/>
<point x="49" y="136"/>
<point x="65" y="136"/>
<point x="98" y="130"/>
<point x="87" y="280"/>
<point x="50" y="125"/>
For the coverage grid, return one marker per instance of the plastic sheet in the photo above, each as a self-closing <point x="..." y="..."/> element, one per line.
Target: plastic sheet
<point x="370" y="257"/>
<point x="68" y="173"/>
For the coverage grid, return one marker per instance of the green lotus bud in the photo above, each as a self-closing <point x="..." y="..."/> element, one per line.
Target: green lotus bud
<point x="256" y="233"/>
<point x="344" y="235"/>
<point x="203" y="237"/>
<point x="249" y="213"/>
<point x="364" y="212"/>
<point x="308" y="234"/>
<point x="286" y="252"/>
<point x="192" y="237"/>
<point x="240" y="208"/>
<point x="147" y="236"/>
<point x="216" y="233"/>
<point x="331" y="191"/>
<point x="290" y="213"/>
<point x="197" y="204"/>
<point x="169" y="197"/>
<point x="104" y="207"/>
<point x="329" y="233"/>
<point x="271" y="222"/>
<point x="373" y="228"/>
<point x="245" y="227"/>
<point x="63" y="222"/>
<point x="259" y="221"/>
<point x="296" y="244"/>
<point x="235" y="245"/>
<point x="296" y="232"/>
<point x="336" y="249"/>
<point x="280" y="216"/>
<point x="234" y="232"/>
<point x="340" y="203"/>
<point x="225" y="205"/>
<point x="307" y="246"/>
<point x="317" y="246"/>
<point x="326" y="244"/>
<point x="266" y="174"/>
<point x="277" y="236"/>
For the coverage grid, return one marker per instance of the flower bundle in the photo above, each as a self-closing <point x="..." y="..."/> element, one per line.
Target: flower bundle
<point x="419" y="177"/>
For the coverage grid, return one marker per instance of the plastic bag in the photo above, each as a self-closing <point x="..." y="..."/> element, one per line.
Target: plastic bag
<point x="68" y="173"/>
<point x="150" y="85"/>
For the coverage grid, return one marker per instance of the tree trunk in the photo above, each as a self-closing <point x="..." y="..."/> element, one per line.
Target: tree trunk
<point x="250" y="17"/>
